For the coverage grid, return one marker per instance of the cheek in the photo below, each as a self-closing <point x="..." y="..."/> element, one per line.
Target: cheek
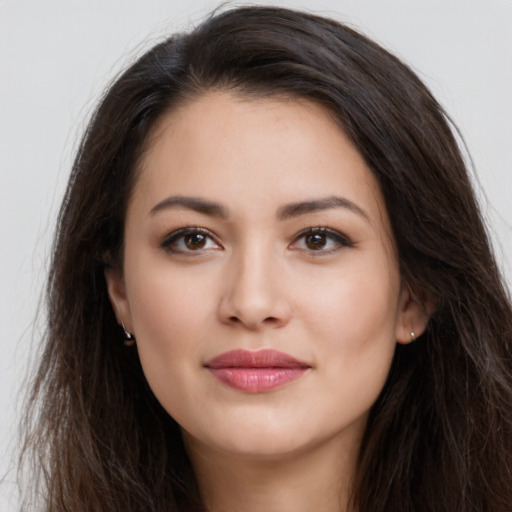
<point x="167" y="299"/>
<point x="353" y="319"/>
<point x="169" y="314"/>
<point x="355" y="304"/>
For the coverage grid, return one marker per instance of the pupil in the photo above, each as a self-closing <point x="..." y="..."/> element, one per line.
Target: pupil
<point x="315" y="241"/>
<point x="195" y="241"/>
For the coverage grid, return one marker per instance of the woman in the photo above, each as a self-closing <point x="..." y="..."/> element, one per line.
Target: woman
<point x="272" y="289"/>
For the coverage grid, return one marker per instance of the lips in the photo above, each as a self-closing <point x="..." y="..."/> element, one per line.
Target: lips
<point x="256" y="372"/>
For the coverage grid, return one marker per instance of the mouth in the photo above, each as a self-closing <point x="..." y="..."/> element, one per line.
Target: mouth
<point x="256" y="372"/>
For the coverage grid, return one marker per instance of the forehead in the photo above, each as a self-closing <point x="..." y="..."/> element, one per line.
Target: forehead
<point x="253" y="154"/>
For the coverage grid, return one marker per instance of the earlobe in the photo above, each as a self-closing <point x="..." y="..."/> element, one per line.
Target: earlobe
<point x="413" y="316"/>
<point x="117" y="294"/>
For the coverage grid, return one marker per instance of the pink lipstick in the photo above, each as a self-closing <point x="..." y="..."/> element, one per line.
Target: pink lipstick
<point x="256" y="372"/>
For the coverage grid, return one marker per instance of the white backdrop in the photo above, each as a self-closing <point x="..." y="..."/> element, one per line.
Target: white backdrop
<point x="57" y="55"/>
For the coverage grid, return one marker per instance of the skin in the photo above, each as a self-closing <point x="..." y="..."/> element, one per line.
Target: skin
<point x="336" y="303"/>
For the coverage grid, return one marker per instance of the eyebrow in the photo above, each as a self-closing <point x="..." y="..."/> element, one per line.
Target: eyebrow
<point x="283" y="213"/>
<point x="191" y="203"/>
<point x="303" y="207"/>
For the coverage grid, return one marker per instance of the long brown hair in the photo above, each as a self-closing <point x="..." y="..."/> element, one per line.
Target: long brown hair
<point x="439" y="437"/>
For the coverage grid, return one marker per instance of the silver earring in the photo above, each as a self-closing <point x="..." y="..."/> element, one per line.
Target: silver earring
<point x="412" y="336"/>
<point x="129" y="339"/>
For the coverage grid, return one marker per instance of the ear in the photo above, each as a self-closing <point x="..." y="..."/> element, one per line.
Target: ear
<point x="116" y="290"/>
<point x="413" y="315"/>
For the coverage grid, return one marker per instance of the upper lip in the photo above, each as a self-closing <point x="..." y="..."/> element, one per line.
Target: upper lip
<point x="266" y="358"/>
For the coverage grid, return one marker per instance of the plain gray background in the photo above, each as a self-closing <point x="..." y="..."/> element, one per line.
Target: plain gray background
<point x="57" y="56"/>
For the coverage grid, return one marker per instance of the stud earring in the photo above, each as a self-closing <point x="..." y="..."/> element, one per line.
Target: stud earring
<point x="129" y="339"/>
<point x="412" y="336"/>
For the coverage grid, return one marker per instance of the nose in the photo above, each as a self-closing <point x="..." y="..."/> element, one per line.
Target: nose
<point x="254" y="296"/>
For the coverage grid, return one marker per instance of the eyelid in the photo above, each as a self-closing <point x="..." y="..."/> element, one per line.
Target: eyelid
<point x="175" y="235"/>
<point x="341" y="239"/>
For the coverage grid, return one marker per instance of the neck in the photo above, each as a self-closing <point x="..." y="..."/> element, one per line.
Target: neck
<point x="315" y="479"/>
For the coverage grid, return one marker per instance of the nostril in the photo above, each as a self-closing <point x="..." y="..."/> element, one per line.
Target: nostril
<point x="270" y="320"/>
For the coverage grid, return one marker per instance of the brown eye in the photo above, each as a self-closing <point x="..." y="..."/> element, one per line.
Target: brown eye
<point x="190" y="240"/>
<point x="195" y="241"/>
<point x="316" y="241"/>
<point x="320" y="241"/>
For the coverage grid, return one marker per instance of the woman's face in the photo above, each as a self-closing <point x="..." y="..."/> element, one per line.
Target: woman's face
<point x="260" y="277"/>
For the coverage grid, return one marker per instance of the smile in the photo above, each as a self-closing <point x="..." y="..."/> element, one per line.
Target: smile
<point x="256" y="372"/>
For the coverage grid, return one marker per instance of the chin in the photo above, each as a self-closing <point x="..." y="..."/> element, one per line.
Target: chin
<point x="267" y="441"/>
<point x="264" y="447"/>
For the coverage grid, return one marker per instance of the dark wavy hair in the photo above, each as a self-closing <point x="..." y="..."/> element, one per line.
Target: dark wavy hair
<point x="439" y="437"/>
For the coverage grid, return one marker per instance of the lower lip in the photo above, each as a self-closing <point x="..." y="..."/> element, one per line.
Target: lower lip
<point x="257" y="380"/>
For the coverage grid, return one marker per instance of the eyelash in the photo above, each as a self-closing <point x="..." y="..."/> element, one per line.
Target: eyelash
<point x="175" y="236"/>
<point x="338" y="238"/>
<point x="170" y="242"/>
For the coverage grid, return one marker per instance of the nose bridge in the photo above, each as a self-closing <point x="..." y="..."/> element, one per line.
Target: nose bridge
<point x="254" y="294"/>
